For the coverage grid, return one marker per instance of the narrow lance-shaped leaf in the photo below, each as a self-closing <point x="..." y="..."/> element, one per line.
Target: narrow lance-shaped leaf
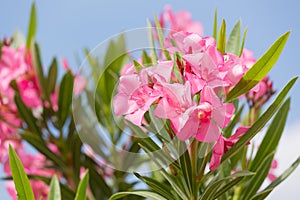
<point x="151" y="41"/>
<point x="261" y="122"/>
<point x="54" y="193"/>
<point x="26" y="114"/>
<point x="211" y="190"/>
<point x="273" y="135"/>
<point x="228" y="130"/>
<point x="166" y="175"/>
<point x="146" y="194"/>
<point x="37" y="142"/>
<point x="186" y="166"/>
<point x="52" y="77"/>
<point x="156" y="186"/>
<point x="22" y="184"/>
<point x="38" y="68"/>
<point x="31" y="27"/>
<point x="222" y="38"/>
<point x="146" y="59"/>
<point x="261" y="195"/>
<point x="82" y="188"/>
<point x="233" y="43"/>
<point x="257" y="180"/>
<point x="284" y="175"/>
<point x="239" y="176"/>
<point x="215" y="30"/>
<point x="243" y="42"/>
<point x="161" y="39"/>
<point x="65" y="97"/>
<point x="260" y="69"/>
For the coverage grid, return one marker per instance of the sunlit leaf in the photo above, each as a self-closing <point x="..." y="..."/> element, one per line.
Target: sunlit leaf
<point x="233" y="43"/>
<point x="260" y="69"/>
<point x="54" y="193"/>
<point x="65" y="97"/>
<point x="22" y="184"/>
<point x="146" y="194"/>
<point x="222" y="38"/>
<point x="261" y="122"/>
<point x="32" y="26"/>
<point x="273" y="135"/>
<point x="83" y="186"/>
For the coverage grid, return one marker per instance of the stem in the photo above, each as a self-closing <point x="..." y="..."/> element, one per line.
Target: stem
<point x="194" y="151"/>
<point x="203" y="164"/>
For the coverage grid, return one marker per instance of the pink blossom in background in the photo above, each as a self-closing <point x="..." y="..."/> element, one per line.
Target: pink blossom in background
<point x="30" y="92"/>
<point x="179" y="21"/>
<point x="79" y="81"/>
<point x="12" y="65"/>
<point x="223" y="145"/>
<point x="33" y="165"/>
<point x="271" y="175"/>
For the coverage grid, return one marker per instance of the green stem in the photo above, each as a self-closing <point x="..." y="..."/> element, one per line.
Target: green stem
<point x="194" y="151"/>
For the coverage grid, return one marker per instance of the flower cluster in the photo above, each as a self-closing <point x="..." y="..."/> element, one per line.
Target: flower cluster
<point x="17" y="74"/>
<point x="188" y="90"/>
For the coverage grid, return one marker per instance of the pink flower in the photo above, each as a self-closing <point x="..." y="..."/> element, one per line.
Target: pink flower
<point x="180" y="21"/>
<point x="175" y="100"/>
<point x="39" y="188"/>
<point x="203" y="62"/>
<point x="12" y="65"/>
<point x="33" y="165"/>
<point x="30" y="92"/>
<point x="271" y="175"/>
<point x="137" y="92"/>
<point x="202" y="121"/>
<point x="223" y="145"/>
<point x="189" y="43"/>
<point x="79" y="81"/>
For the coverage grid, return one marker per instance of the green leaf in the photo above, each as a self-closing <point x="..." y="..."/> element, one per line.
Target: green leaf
<point x="152" y="44"/>
<point x="273" y="135"/>
<point x="222" y="37"/>
<point x="166" y="175"/>
<point x="146" y="59"/>
<point x="97" y="183"/>
<point x="82" y="188"/>
<point x="54" y="193"/>
<point x="257" y="180"/>
<point x="228" y="130"/>
<point x="146" y="194"/>
<point x="37" y="142"/>
<point x="26" y="114"/>
<point x="22" y="184"/>
<point x="260" y="69"/>
<point x="65" y="97"/>
<point x="138" y="67"/>
<point x="238" y="177"/>
<point x="52" y="76"/>
<point x="215" y="24"/>
<point x="233" y="43"/>
<point x="261" y="122"/>
<point x="156" y="186"/>
<point x="32" y="26"/>
<point x="243" y="42"/>
<point x="38" y="68"/>
<point x="284" y="175"/>
<point x="159" y="125"/>
<point x="161" y="39"/>
<point x="186" y="166"/>
<point x="262" y="195"/>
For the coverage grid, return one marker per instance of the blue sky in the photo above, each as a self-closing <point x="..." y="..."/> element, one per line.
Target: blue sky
<point x="66" y="27"/>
